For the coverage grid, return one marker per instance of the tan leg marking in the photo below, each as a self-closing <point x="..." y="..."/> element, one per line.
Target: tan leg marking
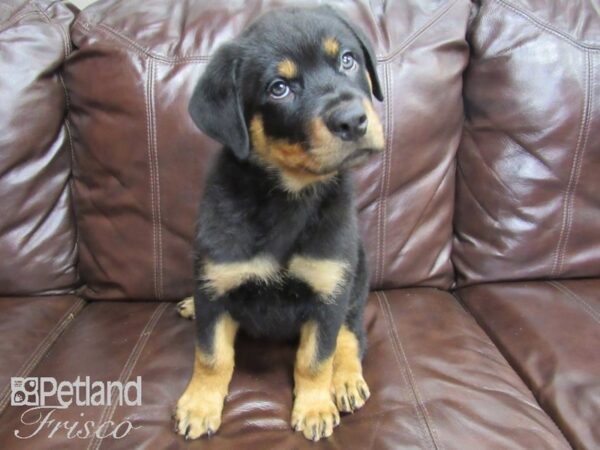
<point x="324" y="276"/>
<point x="223" y="277"/>
<point x="185" y="308"/>
<point x="199" y="408"/>
<point x="314" y="412"/>
<point x="348" y="386"/>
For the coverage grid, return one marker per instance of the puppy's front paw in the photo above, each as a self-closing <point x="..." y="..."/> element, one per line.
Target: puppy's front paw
<point x="315" y="416"/>
<point x="198" y="413"/>
<point x="350" y="390"/>
<point x="185" y="308"/>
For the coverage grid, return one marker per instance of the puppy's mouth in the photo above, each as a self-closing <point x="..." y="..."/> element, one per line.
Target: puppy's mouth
<point x="357" y="158"/>
<point x="353" y="159"/>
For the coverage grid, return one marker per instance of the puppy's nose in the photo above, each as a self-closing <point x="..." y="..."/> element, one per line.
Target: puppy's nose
<point x="349" y="121"/>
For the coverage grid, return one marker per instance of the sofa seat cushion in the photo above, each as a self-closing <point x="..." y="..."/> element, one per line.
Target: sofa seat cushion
<point x="436" y="380"/>
<point x="28" y="328"/>
<point x="550" y="333"/>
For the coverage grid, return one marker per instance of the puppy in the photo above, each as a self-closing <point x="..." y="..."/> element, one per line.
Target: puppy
<point x="277" y="251"/>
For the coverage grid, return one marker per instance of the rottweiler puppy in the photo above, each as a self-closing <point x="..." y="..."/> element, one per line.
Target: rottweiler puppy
<point x="277" y="250"/>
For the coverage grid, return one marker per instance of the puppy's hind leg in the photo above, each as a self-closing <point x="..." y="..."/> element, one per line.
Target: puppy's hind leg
<point x="186" y="309"/>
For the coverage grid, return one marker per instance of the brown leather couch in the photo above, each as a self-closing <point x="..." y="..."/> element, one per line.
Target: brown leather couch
<point x="481" y="222"/>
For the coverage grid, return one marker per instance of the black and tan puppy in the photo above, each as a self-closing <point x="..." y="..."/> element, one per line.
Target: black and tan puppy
<point x="277" y="251"/>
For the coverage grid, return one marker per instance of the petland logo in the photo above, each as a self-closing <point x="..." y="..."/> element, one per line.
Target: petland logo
<point x="45" y="395"/>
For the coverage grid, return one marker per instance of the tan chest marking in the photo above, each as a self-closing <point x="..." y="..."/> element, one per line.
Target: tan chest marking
<point x="324" y="276"/>
<point x="223" y="277"/>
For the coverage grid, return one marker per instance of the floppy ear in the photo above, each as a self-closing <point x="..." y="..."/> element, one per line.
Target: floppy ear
<point x="216" y="106"/>
<point x="369" y="54"/>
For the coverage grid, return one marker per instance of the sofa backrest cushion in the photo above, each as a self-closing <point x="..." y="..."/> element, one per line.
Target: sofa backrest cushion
<point x="140" y="162"/>
<point x="37" y="227"/>
<point x="528" y="187"/>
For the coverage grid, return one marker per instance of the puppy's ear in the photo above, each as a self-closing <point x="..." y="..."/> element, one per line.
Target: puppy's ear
<point x="369" y="54"/>
<point x="216" y="106"/>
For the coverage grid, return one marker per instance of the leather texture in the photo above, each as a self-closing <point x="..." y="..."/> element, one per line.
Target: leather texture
<point x="37" y="230"/>
<point x="549" y="332"/>
<point x="522" y="374"/>
<point x="29" y="327"/>
<point x="140" y="162"/>
<point x="528" y="191"/>
<point x="422" y="397"/>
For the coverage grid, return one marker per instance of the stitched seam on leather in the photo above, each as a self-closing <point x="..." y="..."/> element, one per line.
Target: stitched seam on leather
<point x="424" y="208"/>
<point x="542" y="403"/>
<point x="9" y="23"/>
<point x="72" y="188"/>
<point x="127" y="370"/>
<point x="421" y="420"/>
<point x="589" y="102"/>
<point x="67" y="51"/>
<point x="157" y="184"/>
<point x="374" y="433"/>
<point x="413" y="37"/>
<point x="149" y="128"/>
<point x="415" y="389"/>
<point x="42" y="349"/>
<point x="124" y="41"/>
<point x="382" y="205"/>
<point x="380" y="195"/>
<point x="64" y="35"/>
<point x="589" y="309"/>
<point x="388" y="176"/>
<point x="569" y="196"/>
<point x="132" y="45"/>
<point x="592" y="46"/>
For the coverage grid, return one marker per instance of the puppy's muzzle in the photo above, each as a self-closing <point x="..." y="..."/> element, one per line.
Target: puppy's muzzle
<point x="348" y="120"/>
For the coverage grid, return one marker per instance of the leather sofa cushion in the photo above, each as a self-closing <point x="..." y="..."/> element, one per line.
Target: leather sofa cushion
<point x="528" y="188"/>
<point x="29" y="326"/>
<point x="549" y="331"/>
<point x="140" y="162"/>
<point x="37" y="227"/>
<point x="437" y="381"/>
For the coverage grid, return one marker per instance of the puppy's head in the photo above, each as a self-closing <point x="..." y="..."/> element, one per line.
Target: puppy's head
<point x="293" y="93"/>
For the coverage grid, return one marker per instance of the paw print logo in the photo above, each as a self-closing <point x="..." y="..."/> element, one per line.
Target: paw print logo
<point x="24" y="391"/>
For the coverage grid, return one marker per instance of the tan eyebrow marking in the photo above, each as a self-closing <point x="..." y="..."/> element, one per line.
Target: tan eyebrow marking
<point x="331" y="46"/>
<point x="287" y="68"/>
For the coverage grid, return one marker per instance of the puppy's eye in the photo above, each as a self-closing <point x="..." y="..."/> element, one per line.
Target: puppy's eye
<point x="348" y="61"/>
<point x="279" y="89"/>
